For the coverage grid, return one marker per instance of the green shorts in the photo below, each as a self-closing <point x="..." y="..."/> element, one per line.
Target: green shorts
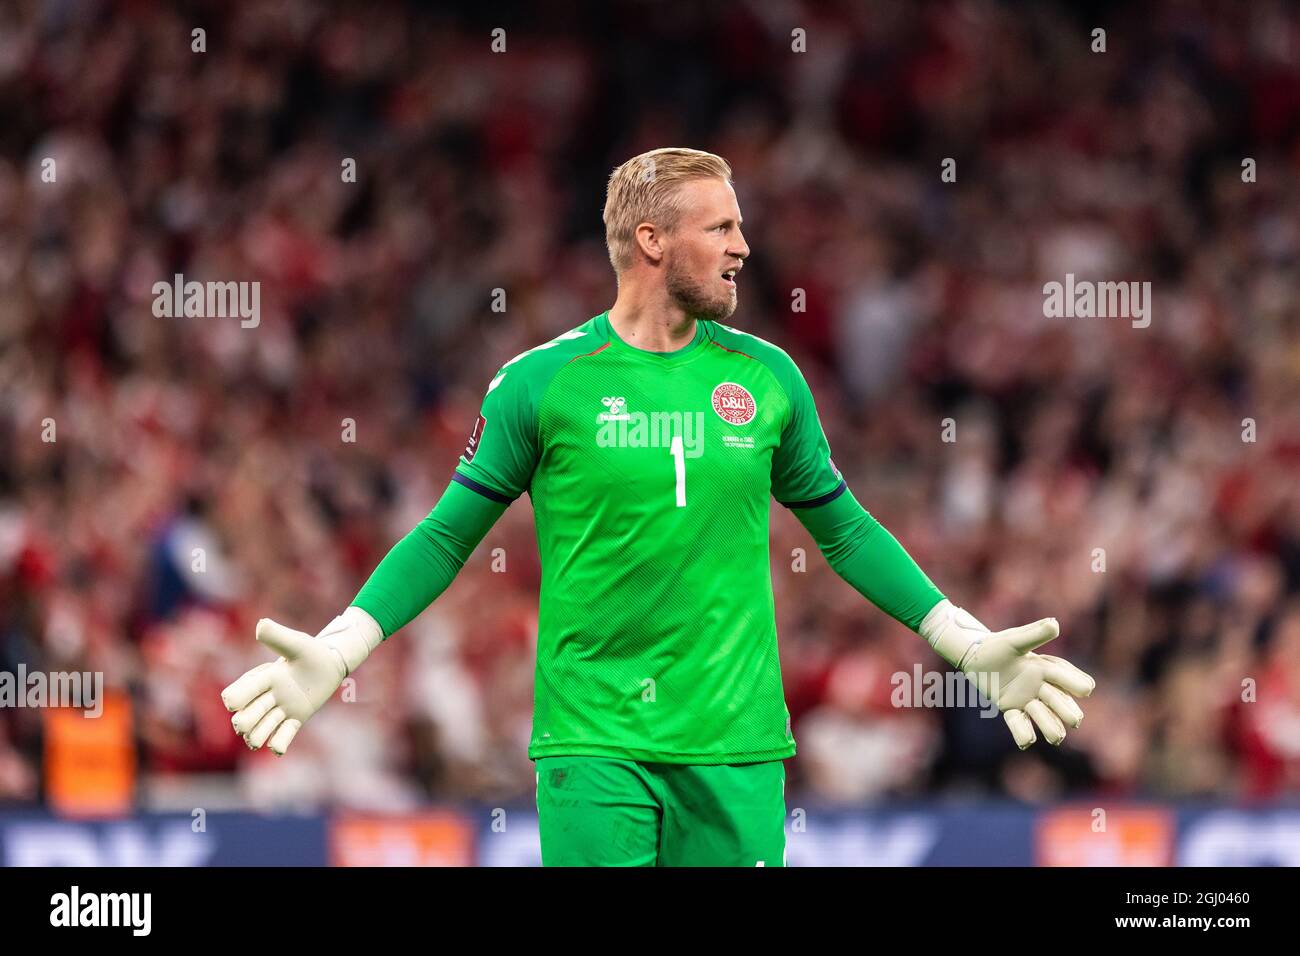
<point x="602" y="811"/>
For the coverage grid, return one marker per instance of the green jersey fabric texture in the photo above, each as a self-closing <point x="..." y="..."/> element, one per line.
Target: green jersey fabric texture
<point x="650" y="476"/>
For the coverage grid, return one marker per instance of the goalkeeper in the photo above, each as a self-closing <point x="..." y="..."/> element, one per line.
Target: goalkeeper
<point x="650" y="439"/>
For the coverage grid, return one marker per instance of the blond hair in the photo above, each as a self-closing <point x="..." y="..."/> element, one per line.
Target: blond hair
<point x="645" y="189"/>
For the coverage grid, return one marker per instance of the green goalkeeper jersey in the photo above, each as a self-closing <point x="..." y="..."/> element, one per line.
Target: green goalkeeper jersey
<point x="650" y="475"/>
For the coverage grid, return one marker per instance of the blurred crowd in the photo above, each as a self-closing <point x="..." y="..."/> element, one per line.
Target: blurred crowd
<point x="165" y="482"/>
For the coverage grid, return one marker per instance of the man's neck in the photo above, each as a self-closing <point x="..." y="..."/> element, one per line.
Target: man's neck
<point x="655" y="324"/>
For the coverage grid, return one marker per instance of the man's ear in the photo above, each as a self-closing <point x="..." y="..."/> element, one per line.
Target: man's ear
<point x="650" y="241"/>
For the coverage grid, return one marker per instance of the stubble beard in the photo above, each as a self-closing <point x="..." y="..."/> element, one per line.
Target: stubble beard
<point x="694" y="300"/>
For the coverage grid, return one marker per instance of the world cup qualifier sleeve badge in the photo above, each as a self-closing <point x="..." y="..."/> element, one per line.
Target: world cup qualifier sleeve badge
<point x="733" y="403"/>
<point x="475" y="437"/>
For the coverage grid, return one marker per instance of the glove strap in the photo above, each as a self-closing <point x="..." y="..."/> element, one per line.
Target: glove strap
<point x="953" y="632"/>
<point x="354" y="634"/>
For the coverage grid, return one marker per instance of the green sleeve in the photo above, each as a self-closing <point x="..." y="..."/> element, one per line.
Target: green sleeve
<point x="422" y="564"/>
<point x="503" y="448"/>
<point x="865" y="554"/>
<point x="803" y="473"/>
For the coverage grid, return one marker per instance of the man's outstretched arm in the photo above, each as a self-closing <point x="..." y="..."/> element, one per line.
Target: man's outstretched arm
<point x="421" y="565"/>
<point x="272" y="701"/>
<point x="866" y="555"/>
<point x="1024" y="685"/>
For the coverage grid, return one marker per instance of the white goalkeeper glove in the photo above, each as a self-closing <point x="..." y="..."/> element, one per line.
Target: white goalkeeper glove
<point x="273" y="700"/>
<point x="1004" y="668"/>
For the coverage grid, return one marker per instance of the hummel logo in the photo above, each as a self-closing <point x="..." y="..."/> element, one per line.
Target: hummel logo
<point x="615" y="404"/>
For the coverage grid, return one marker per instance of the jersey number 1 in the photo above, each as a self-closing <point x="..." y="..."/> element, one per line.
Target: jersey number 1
<point x="679" y="458"/>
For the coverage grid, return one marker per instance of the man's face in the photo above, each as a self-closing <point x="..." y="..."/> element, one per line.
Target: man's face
<point x="704" y="253"/>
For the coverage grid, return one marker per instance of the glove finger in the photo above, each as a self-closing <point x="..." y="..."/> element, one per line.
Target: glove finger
<point x="1029" y="636"/>
<point x="285" y="641"/>
<point x="1066" y="676"/>
<point x="265" y="727"/>
<point x="1021" y="729"/>
<point x="244" y="690"/>
<point x="245" y="720"/>
<point x="283" y="736"/>
<point x="1062" y="705"/>
<point x="1053" y="730"/>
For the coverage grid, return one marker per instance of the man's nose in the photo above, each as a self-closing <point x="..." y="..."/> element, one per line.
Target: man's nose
<point x="741" y="248"/>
